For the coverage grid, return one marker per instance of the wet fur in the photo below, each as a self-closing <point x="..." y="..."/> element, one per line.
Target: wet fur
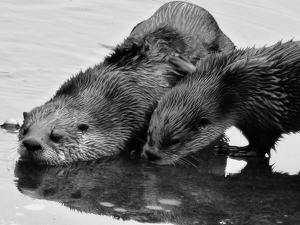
<point x="256" y="90"/>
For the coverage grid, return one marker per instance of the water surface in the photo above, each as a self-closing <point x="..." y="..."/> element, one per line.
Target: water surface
<point x="43" y="43"/>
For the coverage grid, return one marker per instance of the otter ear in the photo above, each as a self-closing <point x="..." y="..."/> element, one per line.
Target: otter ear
<point x="25" y="115"/>
<point x="83" y="127"/>
<point x="181" y="64"/>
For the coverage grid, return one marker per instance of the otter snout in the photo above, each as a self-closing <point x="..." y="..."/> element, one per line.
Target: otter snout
<point x="32" y="144"/>
<point x="150" y="154"/>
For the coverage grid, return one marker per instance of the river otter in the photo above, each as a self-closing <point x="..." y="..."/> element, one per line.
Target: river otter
<point x="105" y="109"/>
<point x="256" y="90"/>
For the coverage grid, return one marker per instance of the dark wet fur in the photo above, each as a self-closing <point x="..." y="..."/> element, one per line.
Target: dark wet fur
<point x="256" y="90"/>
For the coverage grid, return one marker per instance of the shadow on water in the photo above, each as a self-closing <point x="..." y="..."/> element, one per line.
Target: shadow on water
<point x="127" y="189"/>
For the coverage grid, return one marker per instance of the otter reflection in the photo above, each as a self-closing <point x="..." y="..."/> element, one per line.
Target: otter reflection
<point x="144" y="192"/>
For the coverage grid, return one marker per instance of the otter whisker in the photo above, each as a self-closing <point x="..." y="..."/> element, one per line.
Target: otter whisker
<point x="178" y="162"/>
<point x="185" y="162"/>
<point x="197" y="159"/>
<point x="188" y="162"/>
<point x="140" y="139"/>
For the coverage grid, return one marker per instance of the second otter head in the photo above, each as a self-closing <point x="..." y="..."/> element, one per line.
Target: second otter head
<point x="178" y="128"/>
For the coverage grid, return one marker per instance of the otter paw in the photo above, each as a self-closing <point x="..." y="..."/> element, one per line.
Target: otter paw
<point x="235" y="151"/>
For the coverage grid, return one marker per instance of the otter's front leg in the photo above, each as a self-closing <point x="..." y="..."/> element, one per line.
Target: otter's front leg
<point x="235" y="151"/>
<point x="260" y="143"/>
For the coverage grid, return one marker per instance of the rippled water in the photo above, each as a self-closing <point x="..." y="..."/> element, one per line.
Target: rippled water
<point x="42" y="43"/>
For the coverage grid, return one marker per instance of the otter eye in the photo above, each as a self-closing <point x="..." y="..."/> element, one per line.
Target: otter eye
<point x="55" y="135"/>
<point x="214" y="48"/>
<point x="175" y="141"/>
<point x="83" y="127"/>
<point x="25" y="130"/>
<point x="203" y="122"/>
<point x="199" y="124"/>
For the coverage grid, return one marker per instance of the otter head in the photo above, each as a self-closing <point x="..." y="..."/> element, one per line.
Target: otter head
<point x="55" y="133"/>
<point x="75" y="126"/>
<point x="181" y="125"/>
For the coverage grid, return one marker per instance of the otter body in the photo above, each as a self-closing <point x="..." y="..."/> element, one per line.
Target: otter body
<point x="106" y="109"/>
<point x="256" y="90"/>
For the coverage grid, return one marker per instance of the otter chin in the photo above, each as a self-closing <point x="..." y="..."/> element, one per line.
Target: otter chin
<point x="253" y="89"/>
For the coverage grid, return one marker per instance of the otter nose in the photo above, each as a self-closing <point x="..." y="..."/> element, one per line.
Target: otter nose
<point x="32" y="145"/>
<point x="151" y="155"/>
